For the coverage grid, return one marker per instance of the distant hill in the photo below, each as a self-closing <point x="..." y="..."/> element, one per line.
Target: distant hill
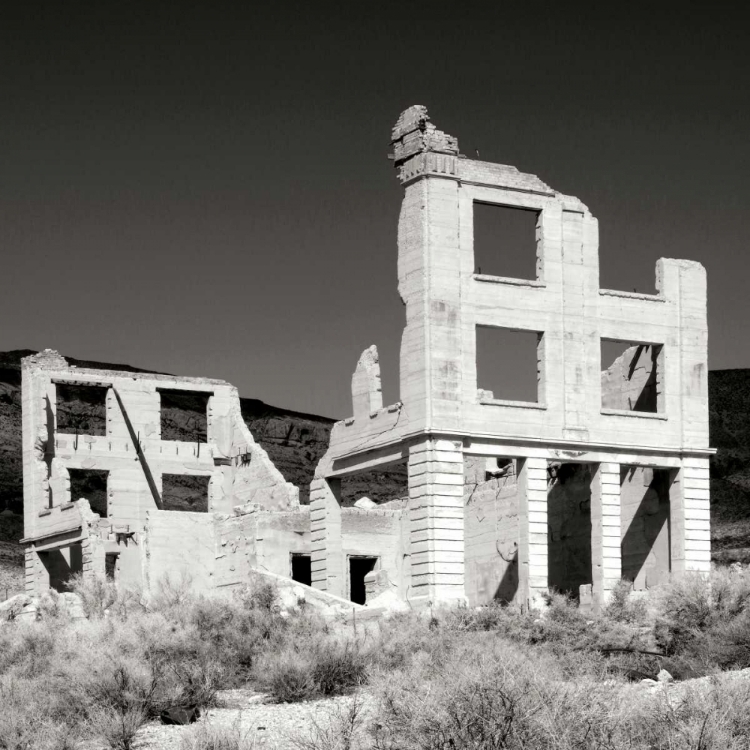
<point x="729" y="406"/>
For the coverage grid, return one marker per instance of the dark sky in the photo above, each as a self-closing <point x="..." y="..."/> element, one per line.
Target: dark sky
<point x="204" y="189"/>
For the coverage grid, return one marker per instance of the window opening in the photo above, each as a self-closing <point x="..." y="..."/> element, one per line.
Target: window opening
<point x="184" y="415"/>
<point x="81" y="409"/>
<point x="505" y="241"/>
<point x="633" y="379"/>
<point x="509" y="364"/>
<point x="92" y="485"/>
<point x="185" y="492"/>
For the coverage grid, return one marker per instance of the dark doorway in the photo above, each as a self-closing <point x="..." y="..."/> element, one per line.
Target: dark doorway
<point x="301" y="569"/>
<point x="110" y="566"/>
<point x="359" y="567"/>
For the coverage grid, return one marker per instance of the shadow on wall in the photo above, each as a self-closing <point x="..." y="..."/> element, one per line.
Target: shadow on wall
<point x="569" y="519"/>
<point x="645" y="543"/>
<point x="508" y="586"/>
<point x="61" y="564"/>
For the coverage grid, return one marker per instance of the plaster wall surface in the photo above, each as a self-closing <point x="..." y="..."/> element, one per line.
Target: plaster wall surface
<point x="491" y="534"/>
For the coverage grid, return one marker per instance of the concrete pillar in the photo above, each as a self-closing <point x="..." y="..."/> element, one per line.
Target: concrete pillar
<point x="326" y="556"/>
<point x="690" y="518"/>
<point x="533" y="532"/>
<point x="606" y="534"/>
<point x="436" y="520"/>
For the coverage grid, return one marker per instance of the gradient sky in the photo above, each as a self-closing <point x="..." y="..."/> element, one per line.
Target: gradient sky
<point x="204" y="189"/>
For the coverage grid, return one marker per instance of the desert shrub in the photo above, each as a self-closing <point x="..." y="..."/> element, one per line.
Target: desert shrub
<point x="117" y="728"/>
<point x="703" y="622"/>
<point x="338" y="666"/>
<point x="211" y="737"/>
<point x="299" y="672"/>
<point x="288" y="676"/>
<point x="623" y="607"/>
<point x="488" y="693"/>
<point x="341" y="726"/>
<point x="101" y="597"/>
<point x="507" y="620"/>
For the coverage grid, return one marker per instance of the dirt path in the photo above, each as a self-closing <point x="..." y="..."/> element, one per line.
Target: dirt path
<point x="265" y="725"/>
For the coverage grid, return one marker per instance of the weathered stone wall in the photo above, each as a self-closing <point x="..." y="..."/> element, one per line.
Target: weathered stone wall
<point x="645" y="525"/>
<point x="181" y="547"/>
<point x="491" y="533"/>
<point x="136" y="457"/>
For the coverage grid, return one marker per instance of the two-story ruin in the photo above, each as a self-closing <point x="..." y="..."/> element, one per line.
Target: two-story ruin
<point x="599" y="473"/>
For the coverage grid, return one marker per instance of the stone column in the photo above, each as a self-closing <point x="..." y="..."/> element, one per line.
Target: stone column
<point x="326" y="556"/>
<point x="689" y="517"/>
<point x="606" y="536"/>
<point x="533" y="532"/>
<point x="436" y="520"/>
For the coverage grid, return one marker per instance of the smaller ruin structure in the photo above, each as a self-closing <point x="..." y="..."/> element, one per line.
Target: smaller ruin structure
<point x="601" y="473"/>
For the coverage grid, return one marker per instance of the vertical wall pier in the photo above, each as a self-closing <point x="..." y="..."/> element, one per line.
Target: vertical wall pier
<point x="606" y="556"/>
<point x="532" y="544"/>
<point x="689" y="517"/>
<point x="436" y="516"/>
<point x="325" y="536"/>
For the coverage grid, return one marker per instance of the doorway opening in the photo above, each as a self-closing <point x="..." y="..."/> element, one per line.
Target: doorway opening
<point x="359" y="567"/>
<point x="302" y="568"/>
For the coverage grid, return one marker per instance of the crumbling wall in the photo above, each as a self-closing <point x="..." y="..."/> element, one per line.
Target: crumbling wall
<point x="644" y="496"/>
<point x="491" y="531"/>
<point x="255" y="479"/>
<point x="153" y="538"/>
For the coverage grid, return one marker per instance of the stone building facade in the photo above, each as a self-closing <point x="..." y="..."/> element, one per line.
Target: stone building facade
<point x="604" y="474"/>
<point x="601" y="474"/>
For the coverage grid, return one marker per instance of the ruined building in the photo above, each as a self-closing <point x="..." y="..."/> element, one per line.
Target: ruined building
<point x="601" y="473"/>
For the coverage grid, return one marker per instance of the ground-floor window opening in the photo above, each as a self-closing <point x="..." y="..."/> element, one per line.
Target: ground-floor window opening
<point x="644" y="503"/>
<point x="569" y="527"/>
<point x="359" y="567"/>
<point x="185" y="492"/>
<point x="302" y="568"/>
<point x="90" y="484"/>
<point x="61" y="564"/>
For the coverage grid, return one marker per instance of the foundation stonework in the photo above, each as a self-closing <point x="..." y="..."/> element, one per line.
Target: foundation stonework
<point x="647" y="411"/>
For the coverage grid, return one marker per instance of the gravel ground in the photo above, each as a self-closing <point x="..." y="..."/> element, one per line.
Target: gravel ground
<point x="266" y="725"/>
